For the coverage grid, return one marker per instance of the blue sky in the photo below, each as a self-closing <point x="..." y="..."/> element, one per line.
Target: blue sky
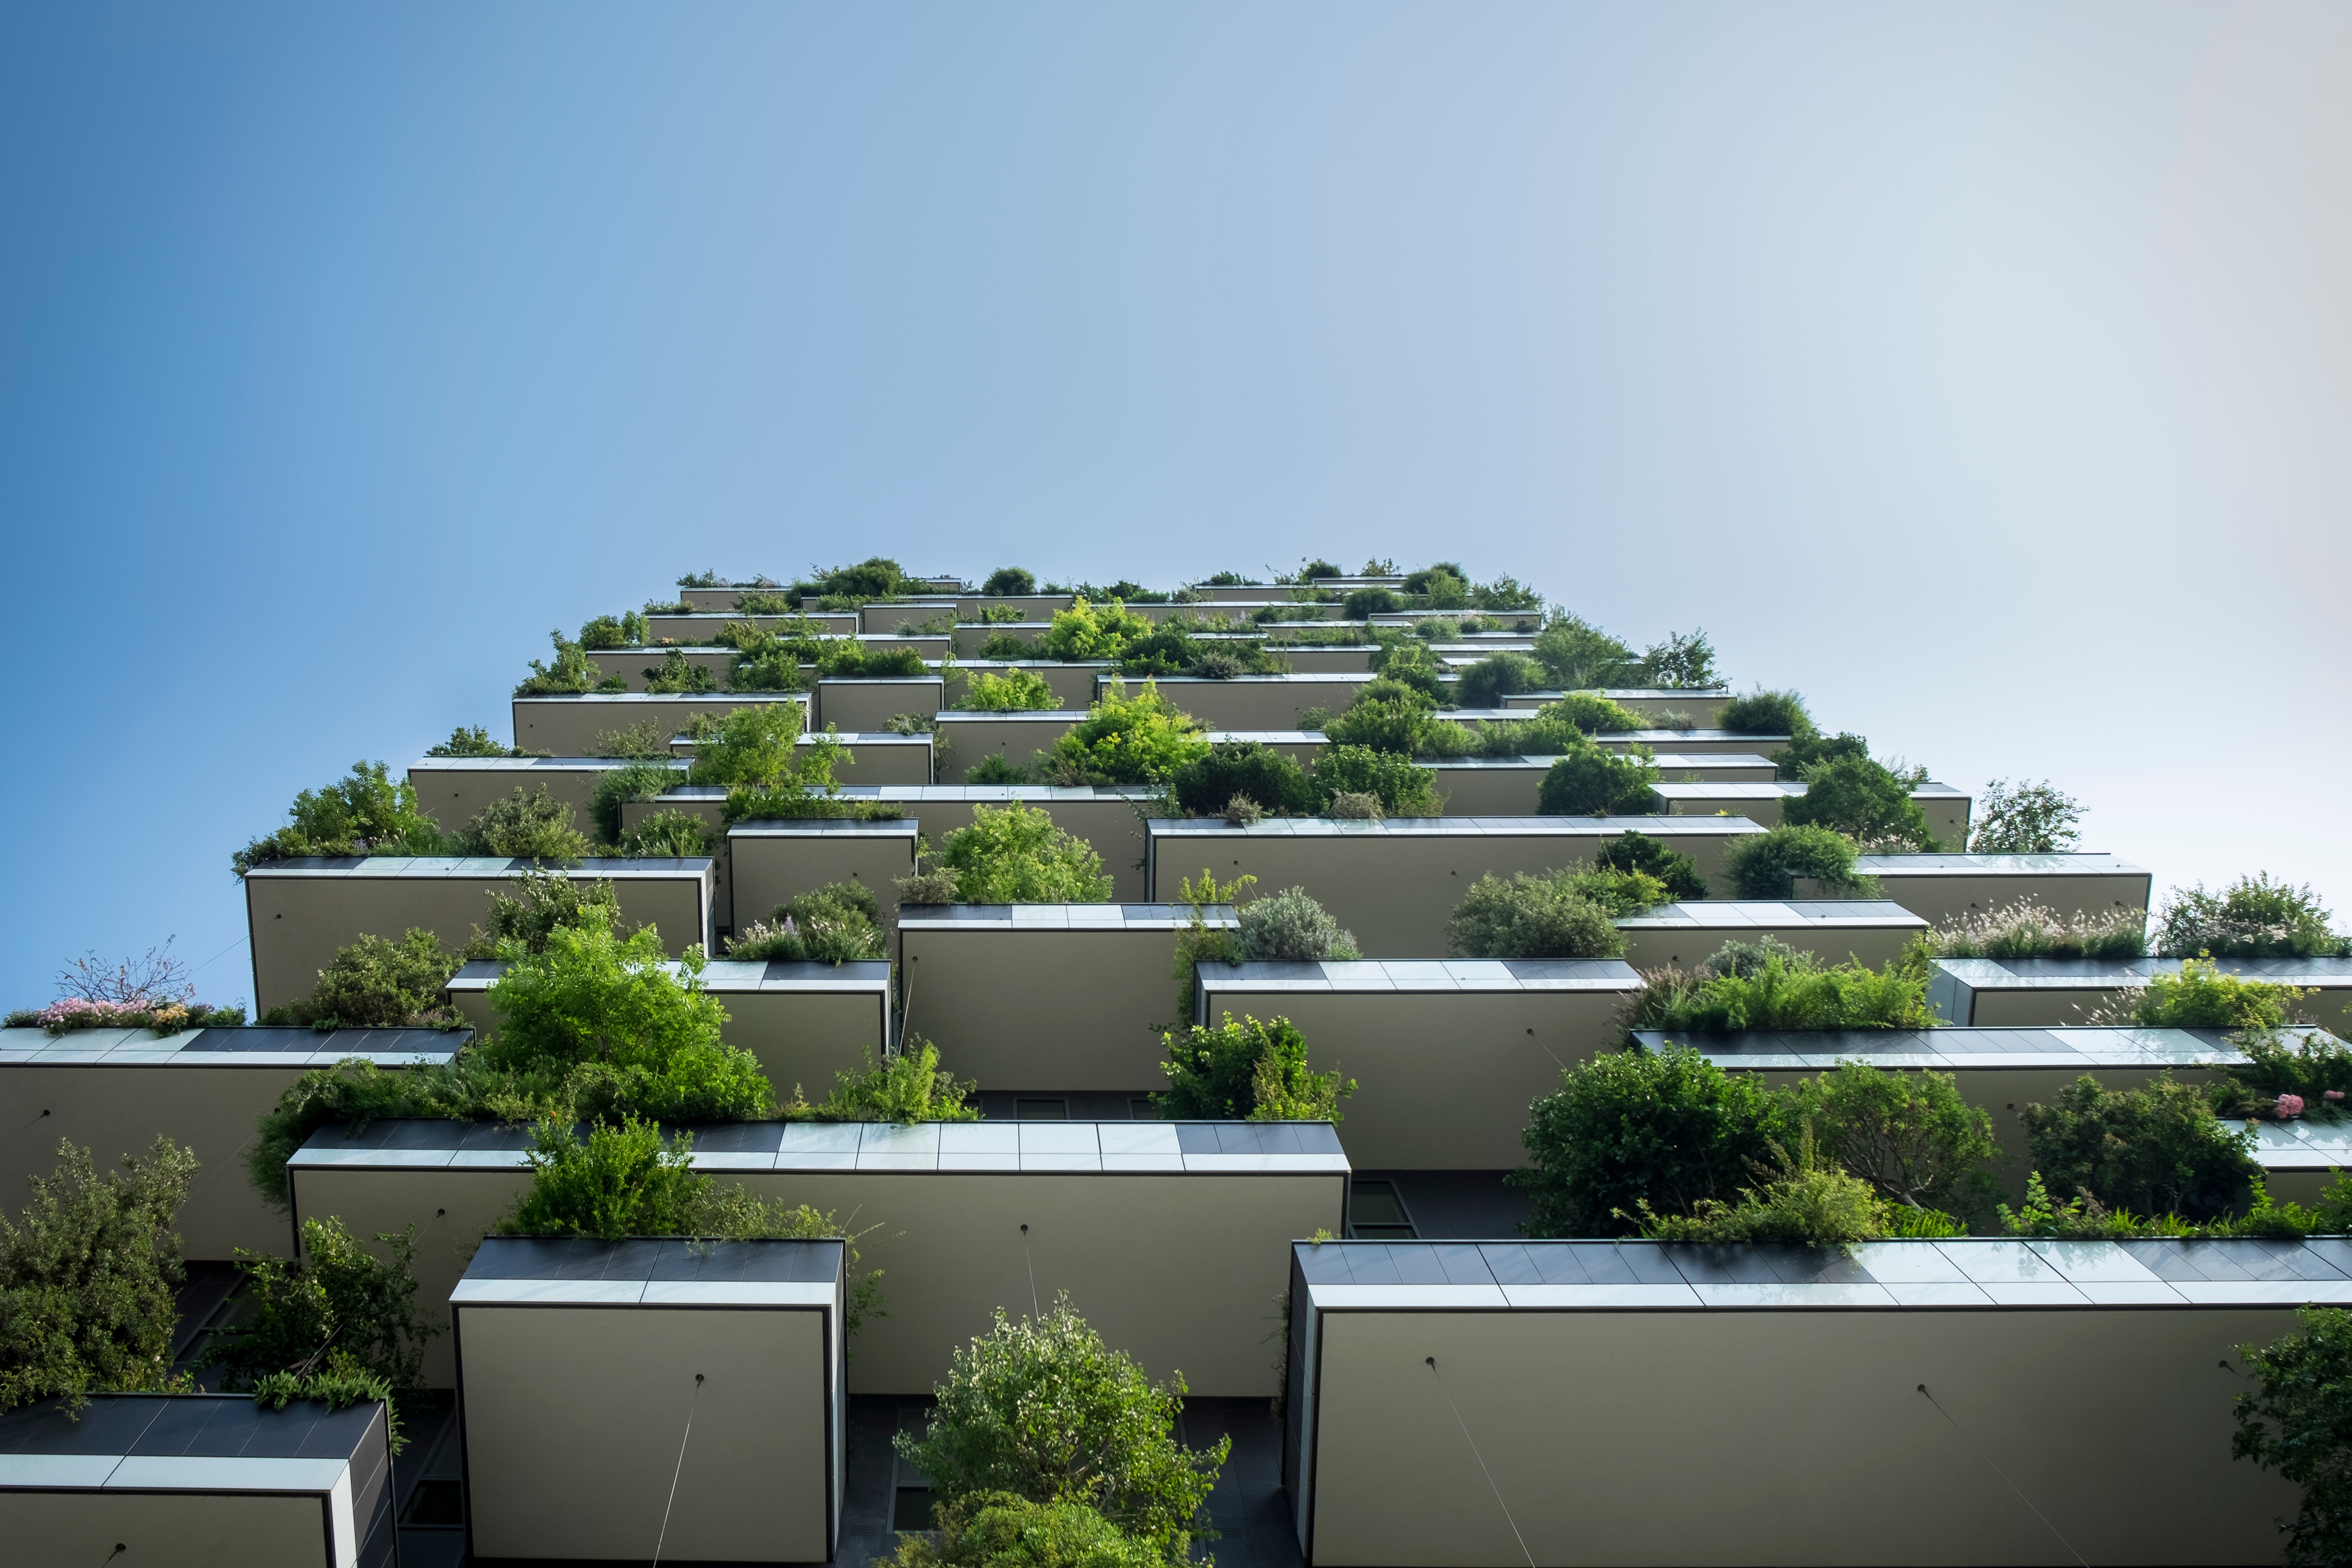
<point x="1981" y="371"/>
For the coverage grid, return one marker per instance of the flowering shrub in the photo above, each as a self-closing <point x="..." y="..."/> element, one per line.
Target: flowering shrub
<point x="163" y="1018"/>
<point x="2029" y="930"/>
<point x="2290" y="1106"/>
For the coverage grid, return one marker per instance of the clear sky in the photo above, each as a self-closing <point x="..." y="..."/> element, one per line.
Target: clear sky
<point x="1982" y="372"/>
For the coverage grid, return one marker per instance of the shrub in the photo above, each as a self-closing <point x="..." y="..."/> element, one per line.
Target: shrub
<point x="805" y="787"/>
<point x="1289" y="927"/>
<point x="572" y="673"/>
<point x="998" y="1530"/>
<point x="340" y="1294"/>
<point x="636" y="743"/>
<point x="1353" y="805"/>
<point x="2310" y="1067"/>
<point x="1862" y="800"/>
<point x="2027" y="930"/>
<point x="1672" y="869"/>
<point x="1766" y="713"/>
<point x="623" y="630"/>
<point x="1589" y="782"/>
<point x="850" y="586"/>
<point x="1908" y="1134"/>
<point x="844" y="656"/>
<point x="836" y="924"/>
<point x="1668" y="1128"/>
<point x="1765" y="865"/>
<point x="1042" y="1409"/>
<point x="1681" y="663"/>
<point x="1016" y="691"/>
<point x="543" y="902"/>
<point x="906" y="1087"/>
<point x="379" y="984"/>
<point x="1531" y="916"/>
<point x="2201" y="996"/>
<point x="669" y="835"/>
<point x="702" y="579"/>
<point x="1575" y="653"/>
<point x="644" y="780"/>
<point x="1401" y="662"/>
<point x="1487" y="683"/>
<point x="678" y="674"/>
<point x="1241" y="812"/>
<point x="2297" y="1420"/>
<point x="522" y="827"/>
<point x="70" y="1013"/>
<point x="1531" y="736"/>
<point x="1402" y="725"/>
<point x="1802" y="1202"/>
<point x="367" y="813"/>
<point x="2152" y="1150"/>
<point x="2025" y="820"/>
<point x="1015" y="854"/>
<point x="2253" y="918"/>
<point x="1786" y="990"/>
<point x="1009" y="583"/>
<point x="1202" y="785"/>
<point x="1801" y="756"/>
<point x="1402" y="788"/>
<point x="757" y="745"/>
<point x="1005" y="647"/>
<point x="769" y="659"/>
<point x="87" y="1279"/>
<point x="472" y="741"/>
<point x="1592" y="715"/>
<point x="1364" y="601"/>
<point x="1087" y="631"/>
<point x="1246" y="1072"/>
<point x="1127" y="740"/>
<point x="996" y="770"/>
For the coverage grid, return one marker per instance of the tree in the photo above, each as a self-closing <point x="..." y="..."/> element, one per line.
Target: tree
<point x="1765" y="865"/>
<point x="1575" y="654"/>
<point x="1087" y="631"/>
<point x="1247" y="1071"/>
<point x="1491" y="679"/>
<point x="1009" y="583"/>
<point x="1553" y="916"/>
<point x="1908" y="1134"/>
<point x="1673" y="870"/>
<point x="524" y="826"/>
<point x="2297" y="1420"/>
<point x="1278" y="785"/>
<point x="2154" y="1150"/>
<point x="1861" y="799"/>
<point x="340" y="1296"/>
<point x="1127" y="740"/>
<point x="367" y="813"/>
<point x="1015" y="854"/>
<point x="1766" y="713"/>
<point x="1403" y="788"/>
<point x="758" y="745"/>
<point x="1589" y="782"/>
<point x="376" y="983"/>
<point x="2201" y="996"/>
<point x="2025" y="820"/>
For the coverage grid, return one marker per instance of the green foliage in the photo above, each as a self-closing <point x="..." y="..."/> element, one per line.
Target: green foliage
<point x="1442" y="583"/>
<point x="1487" y="683"/>
<point x="1533" y="736"/>
<point x="803" y="788"/>
<point x="1669" y="1128"/>
<point x="1564" y="914"/>
<point x="644" y="780"/>
<point x="2025" y="820"/>
<point x="1402" y="788"/>
<point x="624" y="630"/>
<point x="1006" y="647"/>
<point x="769" y="659"/>
<point x="542" y="903"/>
<point x="836" y="924"/>
<point x="1205" y="785"/>
<point x="998" y="1530"/>
<point x="2027" y="930"/>
<point x="679" y="676"/>
<point x="669" y="835"/>
<point x="2253" y="918"/>
<point x="1400" y="724"/>
<point x="844" y="657"/>
<point x="618" y="1181"/>
<point x="573" y="672"/>
<point x="340" y="1297"/>
<point x="906" y="1087"/>
<point x="340" y="1382"/>
<point x="2201" y="996"/>
<point x="1592" y="715"/>
<point x="376" y="983"/>
<point x="1577" y="654"/>
<point x="1363" y="601"/>
<point x="1802" y="754"/>
<point x="472" y="740"/>
<point x="1802" y="1201"/>
<point x="593" y="995"/>
<point x="2152" y="1150"/>
<point x="1016" y="691"/>
<point x="996" y="770"/>
<point x="644" y="739"/>
<point x="2297" y="1420"/>
<point x="367" y="813"/>
<point x="87" y="1279"/>
<point x="1766" y="713"/>
<point x="1042" y="1409"/>
<point x="1289" y="927"/>
<point x="757" y="745"/>
<point x="1765" y="865"/>
<point x="1672" y="869"/>
<point x="525" y="826"/>
<point x="1015" y="854"/>
<point x="357" y="1092"/>
<point x="1402" y="661"/>
<point x="1246" y="1072"/>
<point x="1683" y="662"/>
<point x="1087" y="631"/>
<point x="1009" y="583"/>
<point x="1786" y="990"/>
<point x="2309" y="1065"/>
<point x="1862" y="800"/>
<point x="755" y="603"/>
<point x="1127" y="740"/>
<point x="846" y="587"/>
<point x="1589" y="782"/>
<point x="1908" y="1134"/>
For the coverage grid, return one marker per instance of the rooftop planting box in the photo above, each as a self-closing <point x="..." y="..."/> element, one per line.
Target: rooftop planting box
<point x="774" y="860"/>
<point x="1873" y="931"/>
<point x="963" y="738"/>
<point x="1943" y="888"/>
<point x="569" y="725"/>
<point x="1106" y="816"/>
<point x="702" y="628"/>
<point x="804" y="1021"/>
<point x="581" y="1364"/>
<point x="1256" y="702"/>
<point x="454" y="790"/>
<point x="1393" y="882"/>
<point x="1058" y="997"/>
<point x="1311" y="659"/>
<point x="300" y="912"/>
<point x="1701" y="705"/>
<point x="1784" y="1374"/>
<point x="1072" y="684"/>
<point x="113" y="1091"/>
<point x="631" y="663"/>
<point x="1165" y="1234"/>
<point x="197" y="1480"/>
<point x="970" y="637"/>
<point x="870" y="702"/>
<point x="1512" y="786"/>
<point x="1037" y="607"/>
<point x="1998" y="992"/>
<point x="873" y="757"/>
<point x="1945" y="809"/>
<point x="1446" y="1056"/>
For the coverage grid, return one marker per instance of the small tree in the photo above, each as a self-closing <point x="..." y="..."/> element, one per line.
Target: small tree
<point x="1765" y="865"/>
<point x="1403" y="788"/>
<point x="367" y="813"/>
<point x="1205" y="785"/>
<point x="340" y="1297"/>
<point x="1589" y="782"/>
<point x="1127" y="740"/>
<point x="469" y="740"/>
<point x="1010" y="582"/>
<point x="618" y="1181"/>
<point x="1246" y="1072"/>
<point x="1861" y="799"/>
<point x="1042" y="1409"/>
<point x="525" y="826"/>
<point x="1487" y="683"/>
<point x="2025" y="820"/>
<point x="1908" y="1134"/>
<point x="906" y="1087"/>
<point x="1592" y="714"/>
<point x="1673" y="869"/>
<point x="1566" y="915"/>
<point x="2297" y="1420"/>
<point x="757" y="746"/>
<point x="1766" y="713"/>
<point x="376" y="983"/>
<point x="1575" y="653"/>
<point x="1015" y="854"/>
<point x="1016" y="691"/>
<point x="1087" y="631"/>
<point x="2153" y="1150"/>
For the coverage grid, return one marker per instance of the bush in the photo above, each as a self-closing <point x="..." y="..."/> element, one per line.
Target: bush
<point x="759" y="745"/>
<point x="906" y="1087"/>
<point x="1354" y="806"/>
<point x="1127" y="740"/>
<point x="1668" y="1128"/>
<point x="340" y="1294"/>
<point x="1908" y="1134"/>
<point x="1551" y="916"/>
<point x="998" y="1530"/>
<point x="1787" y="991"/>
<point x="2253" y="918"/>
<point x="1575" y="654"/>
<point x="1672" y="869"/>
<point x="1487" y="683"/>
<point x="2027" y="930"/>
<point x="669" y="835"/>
<point x="366" y="814"/>
<point x="572" y="673"/>
<point x="71" y="1013"/>
<point x="1529" y="736"/>
<point x="1800" y="756"/>
<point x="2153" y="1150"/>
<point x="2025" y="820"/>
<point x="1042" y="1409"/>
<point x="1289" y="927"/>
<point x="624" y="630"/>
<point x="677" y="675"/>
<point x="2201" y="996"/>
<point x="1016" y="691"/>
<point x="1087" y="631"/>
<point x="1246" y="1072"/>
<point x="1005" y="647"/>
<point x="1400" y="662"/>
<point x="1766" y="713"/>
<point x="638" y="742"/>
<point x="1592" y="715"/>
<point x="1862" y="800"/>
<point x="1803" y="1202"/>
<point x="1765" y="865"/>
<point x="1009" y="583"/>
<point x="379" y="984"/>
<point x="1402" y="725"/>
<point x="2297" y="1420"/>
<point x="996" y="770"/>
<point x="472" y="741"/>
<point x="848" y="587"/>
<point x="1589" y="782"/>
<point x="1015" y="854"/>
<point x="803" y="788"/>
<point x="2310" y="1067"/>
<point x="1402" y="788"/>
<point x="769" y="659"/>
<point x="1364" y="601"/>
<point x="644" y="780"/>
<point x="840" y="657"/>
<point x="836" y="924"/>
<point x="522" y="827"/>
<point x="1682" y="662"/>
<point x="543" y="902"/>
<point x="87" y="1279"/>
<point x="1203" y="786"/>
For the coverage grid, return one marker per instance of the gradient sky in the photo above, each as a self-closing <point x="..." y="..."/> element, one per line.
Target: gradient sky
<point x="1982" y="372"/>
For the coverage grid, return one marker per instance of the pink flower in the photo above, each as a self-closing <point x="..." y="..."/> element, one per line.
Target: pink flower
<point x="2331" y="1095"/>
<point x="2290" y="1106"/>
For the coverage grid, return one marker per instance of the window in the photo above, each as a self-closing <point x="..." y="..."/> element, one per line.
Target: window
<point x="1040" y="1110"/>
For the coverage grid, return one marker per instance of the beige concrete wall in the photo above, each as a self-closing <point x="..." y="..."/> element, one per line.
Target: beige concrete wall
<point x="1720" y="1436"/>
<point x="1327" y="658"/>
<point x="1017" y="737"/>
<point x="551" y="1472"/>
<point x="299" y="922"/>
<point x="702" y="628"/>
<point x="1652" y="947"/>
<point x="1940" y="899"/>
<point x="1042" y="1008"/>
<point x="770" y="867"/>
<point x="631" y="663"/>
<point x="1256" y="702"/>
<point x="1443" y="1079"/>
<point x="971" y="639"/>
<point x="568" y="726"/>
<point x="456" y="795"/>
<point x="1765" y="809"/>
<point x="1073" y="686"/>
<point x="854" y="703"/>
<point x="187" y="1530"/>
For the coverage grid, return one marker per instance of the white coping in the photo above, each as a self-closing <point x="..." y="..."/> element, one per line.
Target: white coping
<point x="138" y="1048"/>
<point x="484" y="867"/>
<point x="1965" y="1049"/>
<point x="2079" y="974"/>
<point x="802" y="827"/>
<point x="643" y="1292"/>
<point x="542" y="764"/>
<point x="1829" y="914"/>
<point x="729" y="977"/>
<point x="169" y="1472"/>
<point x="1424" y="975"/>
<point x="2083" y="864"/>
<point x="1462" y="826"/>
<point x="1771" y="788"/>
<point x="1061" y="916"/>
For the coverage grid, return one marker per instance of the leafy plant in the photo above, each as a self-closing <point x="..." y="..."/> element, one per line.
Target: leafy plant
<point x="1402" y="788"/>
<point x="2025" y="820"/>
<point x="1592" y="715"/>
<point x="1800" y="1201"/>
<point x="1788" y="990"/>
<point x="1246" y="1072"/>
<point x="472" y="741"/>
<point x="1015" y="854"/>
<point x="1279" y="786"/>
<point x="2154" y="1150"/>
<point x="1765" y="865"/>
<point x="1005" y="647"/>
<point x="1127" y="740"/>
<point x="848" y="587"/>
<point x="376" y="983"/>
<point x="996" y="769"/>
<point x="1365" y="602"/>
<point x="1562" y="914"/>
<point x="1087" y="631"/>
<point x="2201" y="996"/>
<point x="1355" y="806"/>
<point x="1672" y="869"/>
<point x="1016" y="691"/>
<point x="618" y="1181"/>
<point x="366" y="813"/>
<point x="702" y="579"/>
<point x="2253" y="918"/>
<point x="759" y="745"/>
<point x="88" y="1277"/>
<point x="2313" y="1067"/>
<point x="2297" y="1420"/>
<point x="1289" y="927"/>
<point x="342" y="1311"/>
<point x="543" y="902"/>
<point x="1400" y="661"/>
<point x="572" y="673"/>
<point x="669" y="835"/>
<point x="1200" y="943"/>
<point x="647" y="738"/>
<point x="998" y="1530"/>
<point x="1861" y="799"/>
<point x="644" y="780"/>
<point x="679" y="676"/>
<point x="1009" y="583"/>
<point x="1682" y="662"/>
<point x="1575" y="654"/>
<point x="1589" y="782"/>
<point x="801" y="788"/>
<point x="525" y="826"/>
<point x="1766" y="713"/>
<point x="624" y="630"/>
<point x="768" y="658"/>
<point x="906" y="1087"/>
<point x="2025" y="929"/>
<point x="1908" y="1134"/>
<point x="1487" y="683"/>
<point x="1400" y="723"/>
<point x="836" y="924"/>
